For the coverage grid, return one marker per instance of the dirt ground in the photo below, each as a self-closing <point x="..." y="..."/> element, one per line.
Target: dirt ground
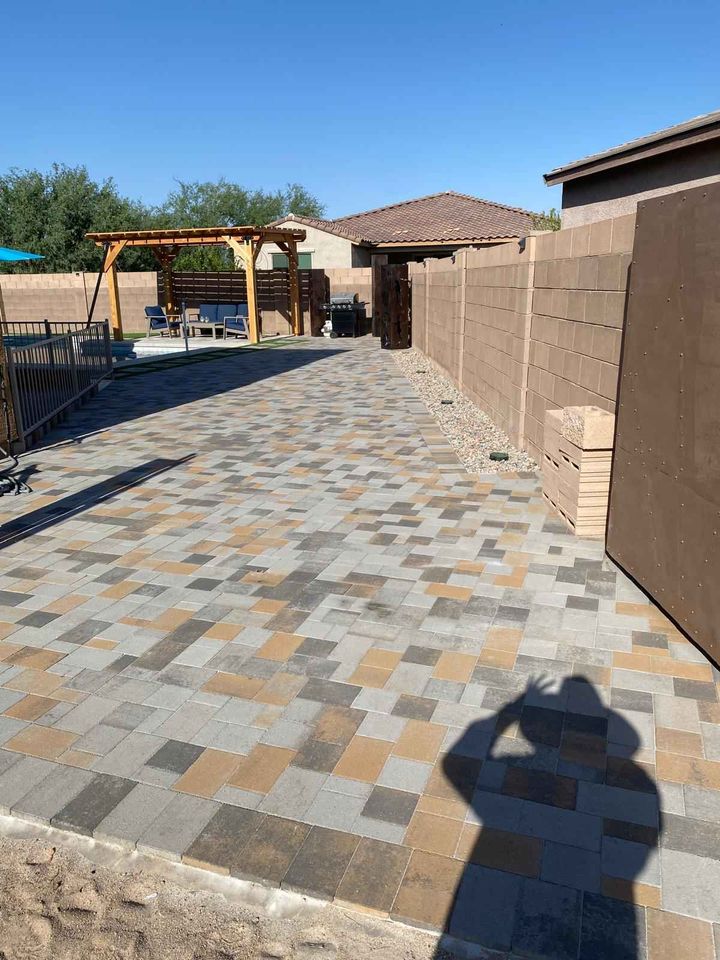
<point x="74" y="899"/>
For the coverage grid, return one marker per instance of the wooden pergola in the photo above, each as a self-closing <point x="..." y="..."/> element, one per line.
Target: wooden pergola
<point x="245" y="242"/>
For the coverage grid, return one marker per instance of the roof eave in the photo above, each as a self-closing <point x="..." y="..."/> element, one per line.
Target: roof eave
<point x="621" y="156"/>
<point x="457" y="242"/>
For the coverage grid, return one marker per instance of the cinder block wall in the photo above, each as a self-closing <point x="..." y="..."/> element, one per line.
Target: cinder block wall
<point x="524" y="330"/>
<point x="441" y="313"/>
<point x="67" y="296"/>
<point x="581" y="278"/>
<point x="498" y="298"/>
<point x="352" y="280"/>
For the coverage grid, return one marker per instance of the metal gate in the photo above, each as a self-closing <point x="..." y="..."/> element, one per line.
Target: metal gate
<point x="664" y="520"/>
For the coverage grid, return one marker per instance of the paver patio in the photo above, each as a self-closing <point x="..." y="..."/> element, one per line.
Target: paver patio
<point x="260" y="619"/>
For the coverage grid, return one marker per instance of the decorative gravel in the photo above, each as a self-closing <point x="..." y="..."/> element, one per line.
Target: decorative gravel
<point x="471" y="432"/>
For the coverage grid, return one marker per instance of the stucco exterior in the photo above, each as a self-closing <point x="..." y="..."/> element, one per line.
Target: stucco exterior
<point x="617" y="191"/>
<point x="328" y="250"/>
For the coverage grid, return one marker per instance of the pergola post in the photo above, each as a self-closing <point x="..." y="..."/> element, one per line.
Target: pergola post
<point x="296" y="317"/>
<point x="165" y="257"/>
<point x="248" y="251"/>
<point x="289" y="247"/>
<point x="113" y="289"/>
<point x="114" y="297"/>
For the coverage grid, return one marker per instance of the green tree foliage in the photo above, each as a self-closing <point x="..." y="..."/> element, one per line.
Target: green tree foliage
<point x="228" y="204"/>
<point x="50" y="213"/>
<point x="547" y="220"/>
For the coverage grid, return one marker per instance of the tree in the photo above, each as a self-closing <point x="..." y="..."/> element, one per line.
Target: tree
<point x="549" y="220"/>
<point x="51" y="213"/>
<point x="228" y="204"/>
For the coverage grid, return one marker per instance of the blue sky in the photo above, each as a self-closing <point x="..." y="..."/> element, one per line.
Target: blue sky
<point x="364" y="103"/>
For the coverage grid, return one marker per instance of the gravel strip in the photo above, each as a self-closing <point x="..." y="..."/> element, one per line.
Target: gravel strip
<point x="470" y="432"/>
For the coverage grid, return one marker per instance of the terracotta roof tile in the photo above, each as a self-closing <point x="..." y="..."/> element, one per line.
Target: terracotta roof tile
<point x="439" y="217"/>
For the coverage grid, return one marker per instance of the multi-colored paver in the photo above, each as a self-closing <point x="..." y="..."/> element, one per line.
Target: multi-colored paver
<point x="257" y="617"/>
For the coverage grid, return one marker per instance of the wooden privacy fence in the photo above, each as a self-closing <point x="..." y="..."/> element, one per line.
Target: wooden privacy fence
<point x="394" y="304"/>
<point x="273" y="289"/>
<point x="664" y="522"/>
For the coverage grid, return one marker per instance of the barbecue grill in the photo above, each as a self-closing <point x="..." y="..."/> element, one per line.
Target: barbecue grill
<point x="346" y="315"/>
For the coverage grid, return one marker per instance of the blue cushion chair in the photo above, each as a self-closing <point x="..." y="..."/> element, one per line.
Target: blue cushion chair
<point x="157" y="320"/>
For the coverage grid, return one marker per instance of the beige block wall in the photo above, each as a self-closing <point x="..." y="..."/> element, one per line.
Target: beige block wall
<point x="441" y="324"/>
<point x="521" y="331"/>
<point x="67" y="296"/>
<point x="352" y="280"/>
<point x="581" y="278"/>
<point x="498" y="297"/>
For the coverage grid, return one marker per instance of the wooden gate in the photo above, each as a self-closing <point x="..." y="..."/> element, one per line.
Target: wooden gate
<point x="664" y="520"/>
<point x="395" y="307"/>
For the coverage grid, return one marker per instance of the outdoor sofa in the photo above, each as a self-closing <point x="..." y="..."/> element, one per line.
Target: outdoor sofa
<point x="222" y="318"/>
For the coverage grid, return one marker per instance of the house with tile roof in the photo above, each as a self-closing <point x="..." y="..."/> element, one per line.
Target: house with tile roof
<point x="610" y="183"/>
<point x="432" y="226"/>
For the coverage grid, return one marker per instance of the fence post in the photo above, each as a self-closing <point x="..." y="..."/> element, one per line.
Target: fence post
<point x="108" y="345"/>
<point x="462" y="264"/>
<point x="530" y="245"/>
<point x="12" y="398"/>
<point x="72" y="365"/>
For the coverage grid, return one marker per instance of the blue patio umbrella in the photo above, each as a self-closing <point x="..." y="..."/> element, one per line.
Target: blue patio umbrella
<point x="8" y="255"/>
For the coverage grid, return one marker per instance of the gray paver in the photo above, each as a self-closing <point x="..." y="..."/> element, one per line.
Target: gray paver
<point x="20" y="777"/>
<point x="293" y="792"/>
<point x="129" y="755"/>
<point x="172" y="832"/>
<point x="133" y="815"/>
<point x="89" y="807"/>
<point x="44" y="799"/>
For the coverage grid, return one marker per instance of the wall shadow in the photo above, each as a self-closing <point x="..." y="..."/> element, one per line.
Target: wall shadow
<point x="162" y="384"/>
<point x="19" y="528"/>
<point x="567" y="821"/>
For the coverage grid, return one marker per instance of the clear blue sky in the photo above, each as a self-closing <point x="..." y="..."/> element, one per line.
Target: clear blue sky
<point x="364" y="103"/>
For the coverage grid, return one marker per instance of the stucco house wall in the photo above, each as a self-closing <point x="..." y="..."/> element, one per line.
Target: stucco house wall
<point x="616" y="192"/>
<point x="328" y="250"/>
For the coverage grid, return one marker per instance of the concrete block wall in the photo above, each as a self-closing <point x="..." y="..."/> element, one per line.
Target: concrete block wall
<point x="523" y="328"/>
<point x="580" y="287"/>
<point x="441" y="313"/>
<point x="498" y="298"/>
<point x="67" y="296"/>
<point x="352" y="280"/>
<point x="417" y="276"/>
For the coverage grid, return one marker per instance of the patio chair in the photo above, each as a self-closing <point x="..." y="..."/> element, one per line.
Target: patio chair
<point x="237" y="324"/>
<point x="157" y="320"/>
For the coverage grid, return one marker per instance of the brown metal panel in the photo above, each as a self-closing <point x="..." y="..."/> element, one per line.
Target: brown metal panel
<point x="664" y="519"/>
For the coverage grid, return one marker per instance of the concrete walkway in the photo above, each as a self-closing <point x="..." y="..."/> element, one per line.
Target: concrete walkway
<point x="256" y="616"/>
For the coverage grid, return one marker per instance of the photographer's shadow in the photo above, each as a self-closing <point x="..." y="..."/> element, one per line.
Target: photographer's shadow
<point x="563" y="828"/>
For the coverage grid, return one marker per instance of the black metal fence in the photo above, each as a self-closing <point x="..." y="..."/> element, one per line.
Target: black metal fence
<point x="48" y="374"/>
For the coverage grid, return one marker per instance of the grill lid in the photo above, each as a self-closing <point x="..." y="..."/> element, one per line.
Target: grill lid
<point x="344" y="298"/>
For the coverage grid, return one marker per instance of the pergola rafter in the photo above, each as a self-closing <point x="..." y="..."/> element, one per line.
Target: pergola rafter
<point x="245" y="242"/>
